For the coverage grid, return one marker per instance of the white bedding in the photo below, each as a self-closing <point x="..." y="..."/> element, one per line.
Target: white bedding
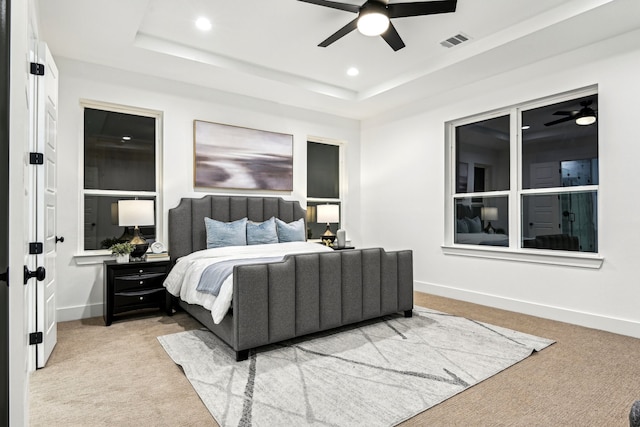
<point x="184" y="276"/>
<point x="482" y="239"/>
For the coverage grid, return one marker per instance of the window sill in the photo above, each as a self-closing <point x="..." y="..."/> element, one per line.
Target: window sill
<point x="91" y="258"/>
<point x="564" y="258"/>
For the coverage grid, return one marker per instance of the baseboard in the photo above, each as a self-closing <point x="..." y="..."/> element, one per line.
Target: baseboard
<point x="66" y="314"/>
<point x="589" y="320"/>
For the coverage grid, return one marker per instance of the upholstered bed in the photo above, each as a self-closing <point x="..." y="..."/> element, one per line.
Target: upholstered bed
<point x="301" y="294"/>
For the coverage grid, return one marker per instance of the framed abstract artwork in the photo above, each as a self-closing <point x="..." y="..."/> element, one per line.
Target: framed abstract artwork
<point x="234" y="157"/>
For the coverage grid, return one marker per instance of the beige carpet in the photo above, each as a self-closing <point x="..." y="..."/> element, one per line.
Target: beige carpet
<point x="120" y="375"/>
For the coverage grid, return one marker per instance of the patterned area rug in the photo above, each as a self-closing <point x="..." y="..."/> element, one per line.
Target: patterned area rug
<point x="376" y="374"/>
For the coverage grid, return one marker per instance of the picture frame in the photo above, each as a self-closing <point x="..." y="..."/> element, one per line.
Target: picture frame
<point x="234" y="157"/>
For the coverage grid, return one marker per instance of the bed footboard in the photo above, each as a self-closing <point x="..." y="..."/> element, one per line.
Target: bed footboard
<point x="309" y="293"/>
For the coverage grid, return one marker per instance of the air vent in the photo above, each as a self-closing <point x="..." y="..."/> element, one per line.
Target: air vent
<point x="455" y="40"/>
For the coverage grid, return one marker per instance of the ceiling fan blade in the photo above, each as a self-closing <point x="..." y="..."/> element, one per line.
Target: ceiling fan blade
<point x="392" y="38"/>
<point x="564" y="119"/>
<point x="565" y="113"/>
<point x="402" y="10"/>
<point x="340" y="33"/>
<point x="334" y="5"/>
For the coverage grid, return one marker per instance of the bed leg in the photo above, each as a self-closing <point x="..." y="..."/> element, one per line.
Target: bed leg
<point x="408" y="313"/>
<point x="242" y="355"/>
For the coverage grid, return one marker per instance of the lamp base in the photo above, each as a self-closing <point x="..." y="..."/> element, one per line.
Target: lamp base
<point x="127" y="235"/>
<point x="140" y="245"/>
<point x="328" y="237"/>
<point x="489" y="229"/>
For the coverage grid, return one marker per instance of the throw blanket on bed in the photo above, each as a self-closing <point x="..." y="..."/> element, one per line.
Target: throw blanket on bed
<point x="214" y="275"/>
<point x="184" y="277"/>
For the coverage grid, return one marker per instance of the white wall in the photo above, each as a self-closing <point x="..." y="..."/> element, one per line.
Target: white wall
<point x="607" y="298"/>
<point x="80" y="278"/>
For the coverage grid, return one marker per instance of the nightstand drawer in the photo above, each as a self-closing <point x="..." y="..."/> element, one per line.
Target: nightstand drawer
<point x="138" y="282"/>
<point x="141" y="268"/>
<point x="125" y="301"/>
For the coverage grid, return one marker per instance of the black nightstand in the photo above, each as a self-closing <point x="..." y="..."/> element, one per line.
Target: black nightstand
<point x="134" y="286"/>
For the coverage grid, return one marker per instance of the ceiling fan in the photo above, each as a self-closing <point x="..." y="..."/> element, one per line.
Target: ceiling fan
<point x="583" y="117"/>
<point x="374" y="15"/>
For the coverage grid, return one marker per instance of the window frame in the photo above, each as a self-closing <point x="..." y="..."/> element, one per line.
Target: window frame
<point x="515" y="251"/>
<point x="157" y="194"/>
<point x="342" y="145"/>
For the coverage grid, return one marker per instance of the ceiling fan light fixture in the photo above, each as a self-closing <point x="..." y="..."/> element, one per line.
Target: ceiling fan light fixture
<point x="373" y="22"/>
<point x="586" y="117"/>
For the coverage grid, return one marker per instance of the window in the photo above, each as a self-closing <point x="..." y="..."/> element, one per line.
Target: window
<point x="323" y="183"/>
<point x="120" y="162"/>
<point x="527" y="177"/>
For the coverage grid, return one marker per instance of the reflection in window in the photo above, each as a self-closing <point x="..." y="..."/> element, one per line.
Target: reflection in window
<point x="566" y="221"/>
<point x="101" y="222"/>
<point x="559" y="154"/>
<point x="482" y="150"/>
<point x="482" y="221"/>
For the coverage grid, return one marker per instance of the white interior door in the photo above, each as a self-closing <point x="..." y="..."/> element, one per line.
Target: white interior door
<point x="47" y="108"/>
<point x="544" y="210"/>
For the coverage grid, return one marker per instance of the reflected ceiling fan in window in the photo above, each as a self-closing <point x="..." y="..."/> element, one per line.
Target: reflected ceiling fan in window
<point x="583" y="117"/>
<point x="374" y="17"/>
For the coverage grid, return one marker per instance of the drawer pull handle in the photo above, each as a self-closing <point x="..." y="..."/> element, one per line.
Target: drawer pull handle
<point x="141" y="271"/>
<point x="141" y="282"/>
<point x="141" y="298"/>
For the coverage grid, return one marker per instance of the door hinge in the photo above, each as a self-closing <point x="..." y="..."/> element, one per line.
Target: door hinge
<point x="35" y="338"/>
<point x="35" y="248"/>
<point x="37" y="69"/>
<point x="4" y="277"/>
<point x="36" y="159"/>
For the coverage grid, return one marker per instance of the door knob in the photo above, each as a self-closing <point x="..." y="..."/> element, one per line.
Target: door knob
<point x="39" y="274"/>
<point x="60" y="239"/>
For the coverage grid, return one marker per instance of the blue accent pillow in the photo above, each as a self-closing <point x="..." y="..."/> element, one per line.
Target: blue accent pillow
<point x="474" y="224"/>
<point x="220" y="234"/>
<point x="261" y="233"/>
<point x="461" y="226"/>
<point x="291" y="232"/>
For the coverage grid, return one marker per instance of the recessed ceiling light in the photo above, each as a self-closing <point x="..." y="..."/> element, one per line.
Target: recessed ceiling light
<point x="203" y="24"/>
<point x="525" y="127"/>
<point x="353" y="71"/>
<point x="126" y="138"/>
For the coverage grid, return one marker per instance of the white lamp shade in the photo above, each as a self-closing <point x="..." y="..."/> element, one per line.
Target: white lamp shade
<point x="489" y="214"/>
<point x="135" y="212"/>
<point x="328" y="213"/>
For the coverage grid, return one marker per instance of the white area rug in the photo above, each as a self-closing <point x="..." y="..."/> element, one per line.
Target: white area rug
<point x="377" y="374"/>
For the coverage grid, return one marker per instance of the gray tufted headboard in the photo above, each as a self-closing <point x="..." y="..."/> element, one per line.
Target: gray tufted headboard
<point x="186" y="221"/>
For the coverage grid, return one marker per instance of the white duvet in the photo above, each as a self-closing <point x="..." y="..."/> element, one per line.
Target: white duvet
<point x="185" y="275"/>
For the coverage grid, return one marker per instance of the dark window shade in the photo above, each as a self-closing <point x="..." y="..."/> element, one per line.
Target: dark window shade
<point x="323" y="170"/>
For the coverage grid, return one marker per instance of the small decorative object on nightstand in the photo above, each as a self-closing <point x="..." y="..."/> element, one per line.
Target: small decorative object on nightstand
<point x="134" y="286"/>
<point x="121" y="251"/>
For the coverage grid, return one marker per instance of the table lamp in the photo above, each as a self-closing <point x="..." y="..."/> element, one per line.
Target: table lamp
<point x="134" y="213"/>
<point x="328" y="214"/>
<point x="489" y="214"/>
